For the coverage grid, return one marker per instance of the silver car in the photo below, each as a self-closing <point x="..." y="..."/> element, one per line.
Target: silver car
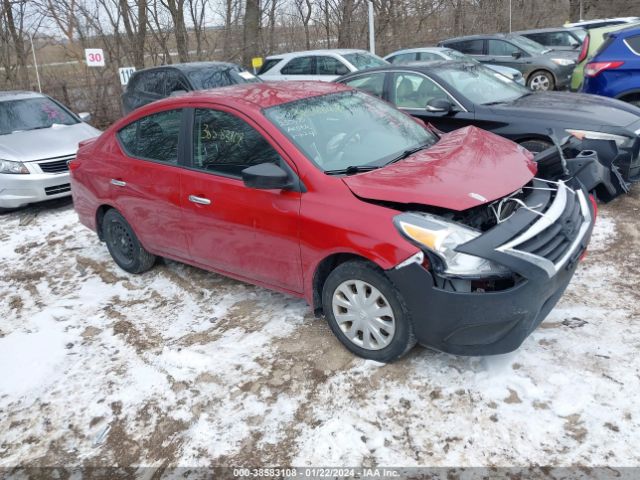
<point x="38" y="136"/>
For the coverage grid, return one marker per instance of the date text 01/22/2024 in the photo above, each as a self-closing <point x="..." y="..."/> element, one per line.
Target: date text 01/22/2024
<point x="311" y="472"/>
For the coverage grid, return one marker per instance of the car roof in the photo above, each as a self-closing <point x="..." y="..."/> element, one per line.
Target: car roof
<point x="598" y="20"/>
<point x="19" y="95"/>
<point x="548" y="29"/>
<point x="422" y="67"/>
<point x="420" y="49"/>
<point x="480" y="37"/>
<point x="335" y="51"/>
<point x="190" y="66"/>
<point x="259" y="95"/>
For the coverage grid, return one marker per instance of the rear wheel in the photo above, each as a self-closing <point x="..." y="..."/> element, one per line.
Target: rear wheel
<point x="366" y="312"/>
<point x="632" y="99"/>
<point x="536" y="146"/>
<point x="541" y="80"/>
<point x="123" y="245"/>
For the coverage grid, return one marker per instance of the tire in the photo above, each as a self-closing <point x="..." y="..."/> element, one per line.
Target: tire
<point x="389" y="336"/>
<point x="536" y="146"/>
<point x="541" y="81"/>
<point x="124" y="247"/>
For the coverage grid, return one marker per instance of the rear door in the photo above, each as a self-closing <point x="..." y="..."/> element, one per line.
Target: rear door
<point x="248" y="233"/>
<point x="145" y="181"/>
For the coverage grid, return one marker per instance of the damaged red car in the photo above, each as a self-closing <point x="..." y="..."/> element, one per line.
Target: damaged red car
<point x="396" y="233"/>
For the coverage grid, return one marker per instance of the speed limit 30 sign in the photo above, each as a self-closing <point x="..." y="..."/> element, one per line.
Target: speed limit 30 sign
<point x="94" y="57"/>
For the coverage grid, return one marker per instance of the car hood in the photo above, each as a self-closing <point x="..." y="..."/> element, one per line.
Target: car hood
<point x="574" y="109"/>
<point x="51" y="142"/>
<point x="466" y="168"/>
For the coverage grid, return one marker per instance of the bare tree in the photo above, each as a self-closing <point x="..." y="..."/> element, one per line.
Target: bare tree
<point x="251" y="32"/>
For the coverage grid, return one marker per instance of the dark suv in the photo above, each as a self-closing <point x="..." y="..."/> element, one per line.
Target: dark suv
<point x="543" y="68"/>
<point x="151" y="84"/>
<point x="556" y="38"/>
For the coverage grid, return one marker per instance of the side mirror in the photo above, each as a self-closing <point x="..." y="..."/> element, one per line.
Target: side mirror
<point x="177" y="93"/>
<point x="439" y="105"/>
<point x="84" y="116"/>
<point x="266" y="176"/>
<point x="516" y="55"/>
<point x="341" y="70"/>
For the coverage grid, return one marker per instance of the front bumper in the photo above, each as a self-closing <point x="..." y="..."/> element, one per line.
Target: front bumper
<point x="489" y="322"/>
<point x="22" y="189"/>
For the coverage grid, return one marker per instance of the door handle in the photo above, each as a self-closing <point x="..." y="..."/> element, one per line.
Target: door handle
<point x="199" y="200"/>
<point x="118" y="183"/>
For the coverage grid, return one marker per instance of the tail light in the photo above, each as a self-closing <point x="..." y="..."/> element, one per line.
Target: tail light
<point x="594" y="68"/>
<point x="585" y="49"/>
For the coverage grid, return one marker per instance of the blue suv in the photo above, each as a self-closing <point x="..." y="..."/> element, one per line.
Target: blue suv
<point x="614" y="71"/>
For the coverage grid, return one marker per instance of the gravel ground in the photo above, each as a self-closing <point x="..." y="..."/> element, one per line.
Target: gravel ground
<point x="182" y="367"/>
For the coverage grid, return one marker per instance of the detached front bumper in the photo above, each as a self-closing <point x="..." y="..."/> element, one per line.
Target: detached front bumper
<point x="495" y="322"/>
<point x="17" y="190"/>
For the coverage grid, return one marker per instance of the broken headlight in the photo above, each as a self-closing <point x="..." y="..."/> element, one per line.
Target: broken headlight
<point x="442" y="238"/>
<point x="622" y="141"/>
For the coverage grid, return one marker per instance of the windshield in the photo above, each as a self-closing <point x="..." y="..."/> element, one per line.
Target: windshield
<point x="481" y="85"/>
<point x="364" y="60"/>
<point x="528" y="45"/>
<point x="220" y="77"/>
<point x="348" y="129"/>
<point x="32" y="114"/>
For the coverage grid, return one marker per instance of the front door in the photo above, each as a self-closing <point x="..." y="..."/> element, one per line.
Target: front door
<point x="252" y="234"/>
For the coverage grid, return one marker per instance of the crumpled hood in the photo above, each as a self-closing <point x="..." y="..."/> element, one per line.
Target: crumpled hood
<point x="466" y="168"/>
<point x="51" y="142"/>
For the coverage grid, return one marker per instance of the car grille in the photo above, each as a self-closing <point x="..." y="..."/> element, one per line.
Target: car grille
<point x="552" y="239"/>
<point x="65" y="187"/>
<point x="55" y="165"/>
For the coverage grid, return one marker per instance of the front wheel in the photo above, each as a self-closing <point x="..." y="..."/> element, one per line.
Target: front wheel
<point x="123" y="245"/>
<point x="366" y="312"/>
<point x="541" y="81"/>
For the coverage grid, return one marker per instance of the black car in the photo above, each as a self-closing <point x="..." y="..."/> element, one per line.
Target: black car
<point x="543" y="68"/>
<point x="151" y="84"/>
<point x="451" y="95"/>
<point x="556" y="38"/>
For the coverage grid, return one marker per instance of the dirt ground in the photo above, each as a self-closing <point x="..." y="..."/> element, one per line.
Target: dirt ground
<point x="182" y="367"/>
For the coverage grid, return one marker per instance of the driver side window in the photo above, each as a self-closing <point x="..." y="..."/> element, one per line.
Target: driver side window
<point x="501" y="48"/>
<point x="225" y="145"/>
<point x="412" y="90"/>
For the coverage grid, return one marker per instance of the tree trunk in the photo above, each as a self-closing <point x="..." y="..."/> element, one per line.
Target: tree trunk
<point x="251" y="32"/>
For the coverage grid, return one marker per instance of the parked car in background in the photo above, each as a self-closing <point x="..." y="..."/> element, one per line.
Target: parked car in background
<point x="151" y="84"/>
<point x="614" y="70"/>
<point x="556" y="38"/>
<point x="592" y="42"/>
<point x="323" y="65"/>
<point x="602" y="22"/>
<point x="451" y="95"/>
<point x="427" y="54"/>
<point x="543" y="68"/>
<point x="38" y="136"/>
<point x="396" y="234"/>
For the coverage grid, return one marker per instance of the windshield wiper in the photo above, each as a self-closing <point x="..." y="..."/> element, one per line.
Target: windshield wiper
<point x="408" y="152"/>
<point x="351" y="169"/>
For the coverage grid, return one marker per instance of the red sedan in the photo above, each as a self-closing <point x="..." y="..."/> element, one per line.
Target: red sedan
<point x="398" y="235"/>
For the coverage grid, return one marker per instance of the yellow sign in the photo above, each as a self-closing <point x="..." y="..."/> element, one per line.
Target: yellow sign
<point x="256" y="62"/>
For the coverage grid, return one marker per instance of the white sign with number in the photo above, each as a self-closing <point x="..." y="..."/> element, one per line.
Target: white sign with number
<point x="94" y="57"/>
<point x="125" y="74"/>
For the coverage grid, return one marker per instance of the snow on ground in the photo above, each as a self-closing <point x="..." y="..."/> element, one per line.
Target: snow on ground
<point x="181" y="367"/>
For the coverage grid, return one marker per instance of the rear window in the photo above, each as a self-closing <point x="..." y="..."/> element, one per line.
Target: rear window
<point x="633" y="43"/>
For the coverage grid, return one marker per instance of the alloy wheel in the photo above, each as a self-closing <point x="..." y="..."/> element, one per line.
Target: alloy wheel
<point x="540" y="82"/>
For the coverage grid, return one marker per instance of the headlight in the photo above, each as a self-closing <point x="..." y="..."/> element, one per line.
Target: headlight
<point x="442" y="238"/>
<point x="565" y="62"/>
<point x="621" y="140"/>
<point x="7" y="166"/>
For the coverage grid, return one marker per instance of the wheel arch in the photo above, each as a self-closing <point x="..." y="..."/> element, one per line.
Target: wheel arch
<point x="100" y="213"/>
<point x="324" y="268"/>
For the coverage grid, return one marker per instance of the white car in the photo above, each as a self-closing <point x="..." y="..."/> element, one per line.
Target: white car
<point x="324" y="65"/>
<point x="428" y="54"/>
<point x="38" y="138"/>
